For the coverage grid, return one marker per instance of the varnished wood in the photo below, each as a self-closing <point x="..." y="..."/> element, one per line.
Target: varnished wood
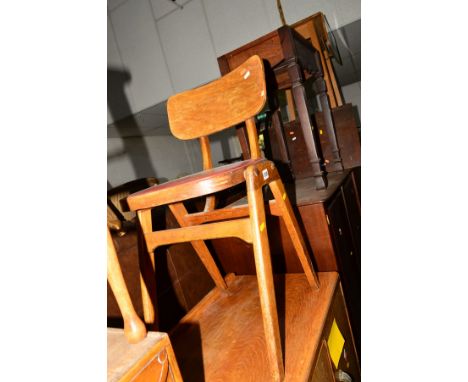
<point x="347" y="135"/>
<point x="330" y="227"/>
<point x="134" y="328"/>
<point x="323" y="371"/>
<point x="191" y="186"/>
<point x="220" y="104"/>
<point x="196" y="113"/>
<point x="264" y="274"/>
<point x="147" y="283"/>
<point x="150" y="360"/>
<point x="313" y="28"/>
<point x="290" y="105"/>
<point x="305" y="314"/>
<point x="200" y="247"/>
<point x="283" y="203"/>
<point x="255" y="152"/>
<point x="233" y="212"/>
<point x="294" y="60"/>
<point x="234" y="228"/>
<point x="207" y="164"/>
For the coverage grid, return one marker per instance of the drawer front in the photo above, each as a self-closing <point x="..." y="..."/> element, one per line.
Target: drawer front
<point x="158" y="369"/>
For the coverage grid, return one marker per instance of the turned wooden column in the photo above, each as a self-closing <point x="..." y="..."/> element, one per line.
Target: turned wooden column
<point x="320" y="89"/>
<point x="311" y="138"/>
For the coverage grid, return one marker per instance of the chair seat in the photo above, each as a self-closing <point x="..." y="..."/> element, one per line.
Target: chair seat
<point x="192" y="186"/>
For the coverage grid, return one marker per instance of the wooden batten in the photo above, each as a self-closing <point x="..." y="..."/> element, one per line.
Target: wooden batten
<point x="235" y="228"/>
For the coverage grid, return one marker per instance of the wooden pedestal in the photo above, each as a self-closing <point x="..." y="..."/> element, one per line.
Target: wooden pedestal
<point x="150" y="360"/>
<point x="222" y="338"/>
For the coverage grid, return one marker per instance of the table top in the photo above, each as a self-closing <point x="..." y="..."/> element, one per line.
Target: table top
<point x="222" y="338"/>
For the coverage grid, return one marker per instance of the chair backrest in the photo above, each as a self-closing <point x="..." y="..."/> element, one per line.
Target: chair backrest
<point x="222" y="103"/>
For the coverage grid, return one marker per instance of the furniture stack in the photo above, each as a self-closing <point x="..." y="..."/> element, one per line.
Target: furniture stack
<point x="315" y="137"/>
<point x="270" y="316"/>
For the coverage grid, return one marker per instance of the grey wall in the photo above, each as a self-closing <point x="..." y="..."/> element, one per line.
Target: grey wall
<point x="156" y="49"/>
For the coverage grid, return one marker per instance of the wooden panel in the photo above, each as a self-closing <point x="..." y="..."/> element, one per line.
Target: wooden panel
<point x="353" y="213"/>
<point x="323" y="371"/>
<point x="156" y="370"/>
<point x="223" y="103"/>
<point x="346" y="256"/>
<point x="297" y="149"/>
<point x="357" y="181"/>
<point x="267" y="47"/>
<point x="222" y="338"/>
<point x="347" y="135"/>
<point x="313" y="29"/>
<point x="318" y="234"/>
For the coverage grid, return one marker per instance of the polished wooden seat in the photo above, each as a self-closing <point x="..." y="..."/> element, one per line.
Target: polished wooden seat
<point x="194" y="185"/>
<point x="235" y="98"/>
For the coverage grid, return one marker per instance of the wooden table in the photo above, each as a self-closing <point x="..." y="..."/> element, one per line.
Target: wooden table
<point x="222" y="338"/>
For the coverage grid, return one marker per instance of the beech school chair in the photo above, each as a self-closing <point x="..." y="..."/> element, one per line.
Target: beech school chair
<point x="235" y="98"/>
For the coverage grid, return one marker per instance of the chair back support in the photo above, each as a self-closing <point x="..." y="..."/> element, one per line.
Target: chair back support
<point x="222" y="103"/>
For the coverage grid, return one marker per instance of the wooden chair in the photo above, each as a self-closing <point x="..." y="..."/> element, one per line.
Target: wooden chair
<point x="134" y="328"/>
<point x="197" y="113"/>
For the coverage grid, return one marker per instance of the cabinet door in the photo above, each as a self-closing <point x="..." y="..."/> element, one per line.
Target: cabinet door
<point x="356" y="174"/>
<point x="345" y="253"/>
<point x="353" y="213"/>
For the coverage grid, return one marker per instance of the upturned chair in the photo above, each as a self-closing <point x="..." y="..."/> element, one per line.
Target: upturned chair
<point x="235" y="98"/>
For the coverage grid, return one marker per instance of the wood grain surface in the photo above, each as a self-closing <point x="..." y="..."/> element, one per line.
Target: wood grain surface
<point x="148" y="360"/>
<point x="220" y="104"/>
<point x="224" y="336"/>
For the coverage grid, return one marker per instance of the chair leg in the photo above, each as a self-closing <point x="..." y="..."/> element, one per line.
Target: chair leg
<point x="287" y="213"/>
<point x="179" y="211"/>
<point x="148" y="267"/>
<point x="134" y="328"/>
<point x="264" y="274"/>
